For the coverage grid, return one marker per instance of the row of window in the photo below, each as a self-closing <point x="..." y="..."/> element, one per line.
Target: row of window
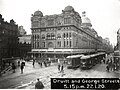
<point x="67" y="43"/>
<point x="52" y="29"/>
<point x="52" y="36"/>
<point x="51" y="22"/>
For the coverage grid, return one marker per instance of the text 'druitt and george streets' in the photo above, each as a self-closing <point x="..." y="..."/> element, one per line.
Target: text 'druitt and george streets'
<point x="85" y="83"/>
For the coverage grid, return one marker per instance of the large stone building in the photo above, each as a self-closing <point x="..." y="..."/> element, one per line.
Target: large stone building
<point x="63" y="34"/>
<point x="8" y="38"/>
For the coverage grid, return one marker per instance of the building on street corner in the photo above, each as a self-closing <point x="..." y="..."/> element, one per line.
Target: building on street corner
<point x="8" y="39"/>
<point x="24" y="42"/>
<point x="60" y="35"/>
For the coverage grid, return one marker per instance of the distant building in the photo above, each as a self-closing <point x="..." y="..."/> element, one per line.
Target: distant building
<point x="21" y="31"/>
<point x="24" y="42"/>
<point x="60" y="35"/>
<point x="117" y="47"/>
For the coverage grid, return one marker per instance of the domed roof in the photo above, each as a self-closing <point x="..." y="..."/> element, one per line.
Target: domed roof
<point x="38" y="13"/>
<point x="85" y="20"/>
<point x="68" y="8"/>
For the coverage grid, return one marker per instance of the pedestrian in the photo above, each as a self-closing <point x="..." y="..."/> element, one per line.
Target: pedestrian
<point x="104" y="60"/>
<point x="22" y="67"/>
<point x="110" y="65"/>
<point x="33" y="62"/>
<point x="114" y="67"/>
<point x="45" y="63"/>
<point x="39" y="84"/>
<point x="107" y="67"/>
<point x="62" y="68"/>
<point x="13" y="67"/>
<point x="18" y="63"/>
<point x="41" y="63"/>
<point x="58" y="67"/>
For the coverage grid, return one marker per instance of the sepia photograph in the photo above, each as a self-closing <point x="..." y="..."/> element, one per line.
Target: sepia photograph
<point x="60" y="44"/>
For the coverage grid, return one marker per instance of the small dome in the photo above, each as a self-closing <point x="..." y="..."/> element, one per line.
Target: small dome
<point x="38" y="13"/>
<point x="85" y="20"/>
<point x="68" y="8"/>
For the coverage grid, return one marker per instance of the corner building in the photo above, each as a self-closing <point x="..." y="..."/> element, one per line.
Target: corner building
<point x="64" y="34"/>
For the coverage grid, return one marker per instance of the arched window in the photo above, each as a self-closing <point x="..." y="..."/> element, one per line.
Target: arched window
<point x="67" y="35"/>
<point x="43" y="36"/>
<point x="70" y="43"/>
<point x="52" y="36"/>
<point x="70" y="35"/>
<point x="58" y="36"/>
<point x="59" y="43"/>
<point x="48" y="36"/>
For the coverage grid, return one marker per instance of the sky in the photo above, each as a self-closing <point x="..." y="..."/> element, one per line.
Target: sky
<point x="104" y="14"/>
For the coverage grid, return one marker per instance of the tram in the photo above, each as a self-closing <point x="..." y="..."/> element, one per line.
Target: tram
<point x="89" y="61"/>
<point x="73" y="61"/>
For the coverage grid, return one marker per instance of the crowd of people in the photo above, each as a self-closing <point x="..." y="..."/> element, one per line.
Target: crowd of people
<point x="20" y="64"/>
<point x="112" y="64"/>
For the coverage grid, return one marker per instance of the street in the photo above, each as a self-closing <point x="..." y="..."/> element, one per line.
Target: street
<point x="28" y="78"/>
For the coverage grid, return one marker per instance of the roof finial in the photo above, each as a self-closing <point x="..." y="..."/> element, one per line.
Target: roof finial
<point x="83" y="13"/>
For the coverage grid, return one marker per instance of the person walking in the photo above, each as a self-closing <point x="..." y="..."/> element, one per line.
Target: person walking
<point x="39" y="84"/>
<point x="107" y="67"/>
<point x="13" y="67"/>
<point x="18" y="63"/>
<point x="58" y="67"/>
<point x="41" y="64"/>
<point x="45" y="63"/>
<point x="62" y="68"/>
<point x="22" y="67"/>
<point x="33" y="63"/>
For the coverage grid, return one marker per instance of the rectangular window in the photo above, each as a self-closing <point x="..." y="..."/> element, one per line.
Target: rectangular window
<point x="59" y="43"/>
<point x="67" y="20"/>
<point x="70" y="43"/>
<point x="50" y="22"/>
<point x="43" y="44"/>
<point x="64" y="43"/>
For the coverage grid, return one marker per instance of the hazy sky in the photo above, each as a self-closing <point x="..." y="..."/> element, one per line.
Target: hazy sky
<point x="104" y="14"/>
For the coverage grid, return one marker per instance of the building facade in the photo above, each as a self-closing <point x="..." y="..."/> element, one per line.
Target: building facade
<point x="24" y="42"/>
<point x="60" y="35"/>
<point x="117" y="47"/>
<point x="8" y="38"/>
